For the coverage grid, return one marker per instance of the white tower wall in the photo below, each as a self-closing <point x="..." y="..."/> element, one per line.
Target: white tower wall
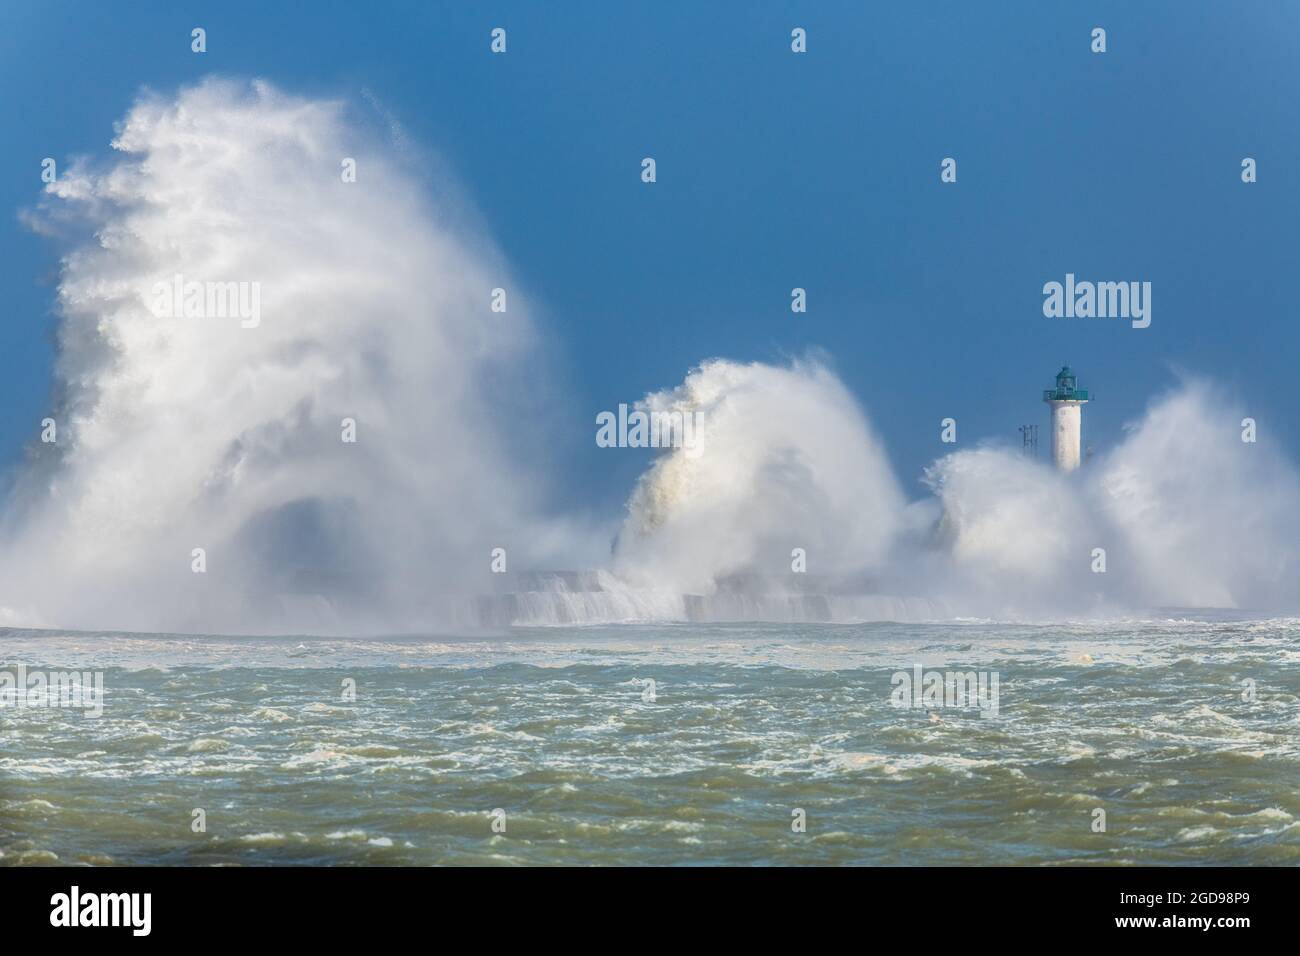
<point x="1066" y="421"/>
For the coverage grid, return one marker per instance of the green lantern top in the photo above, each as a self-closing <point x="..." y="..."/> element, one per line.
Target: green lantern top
<point x="1065" y="390"/>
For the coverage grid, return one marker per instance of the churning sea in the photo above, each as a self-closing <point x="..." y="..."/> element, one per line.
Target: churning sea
<point x="662" y="744"/>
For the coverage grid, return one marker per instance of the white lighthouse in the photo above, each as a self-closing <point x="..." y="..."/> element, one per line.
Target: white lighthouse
<point x="1067" y="403"/>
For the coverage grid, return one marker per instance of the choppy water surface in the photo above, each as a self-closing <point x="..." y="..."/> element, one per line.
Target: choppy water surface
<point x="1145" y="720"/>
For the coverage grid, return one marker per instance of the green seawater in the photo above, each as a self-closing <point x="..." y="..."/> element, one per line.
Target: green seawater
<point x="747" y="725"/>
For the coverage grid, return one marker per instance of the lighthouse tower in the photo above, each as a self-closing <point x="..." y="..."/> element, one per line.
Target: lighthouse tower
<point x="1066" y="401"/>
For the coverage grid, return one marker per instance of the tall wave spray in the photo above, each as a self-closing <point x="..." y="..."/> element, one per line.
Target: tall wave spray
<point x="786" y="507"/>
<point x="785" y="461"/>
<point x="194" y="430"/>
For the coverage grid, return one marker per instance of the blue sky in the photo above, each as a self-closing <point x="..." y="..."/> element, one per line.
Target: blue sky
<point x="774" y="171"/>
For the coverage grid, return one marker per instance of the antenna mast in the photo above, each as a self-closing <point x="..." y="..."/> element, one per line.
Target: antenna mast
<point x="1029" y="441"/>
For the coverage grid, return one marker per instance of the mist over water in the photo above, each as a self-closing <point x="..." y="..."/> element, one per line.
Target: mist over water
<point x="178" y="433"/>
<point x="1200" y="516"/>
